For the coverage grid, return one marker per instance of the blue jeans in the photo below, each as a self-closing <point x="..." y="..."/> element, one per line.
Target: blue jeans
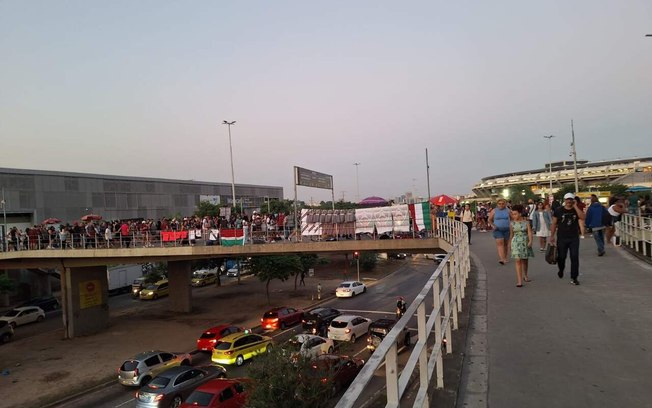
<point x="572" y="245"/>
<point x="598" y="236"/>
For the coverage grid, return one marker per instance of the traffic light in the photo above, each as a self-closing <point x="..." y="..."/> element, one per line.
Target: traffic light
<point x="356" y="255"/>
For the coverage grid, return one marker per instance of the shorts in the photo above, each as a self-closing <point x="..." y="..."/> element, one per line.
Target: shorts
<point x="501" y="234"/>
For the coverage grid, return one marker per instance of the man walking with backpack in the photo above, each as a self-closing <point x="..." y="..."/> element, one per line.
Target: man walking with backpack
<point x="597" y="218"/>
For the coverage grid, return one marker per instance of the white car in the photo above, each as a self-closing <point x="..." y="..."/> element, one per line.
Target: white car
<point x="350" y="289"/>
<point x="439" y="258"/>
<point x="23" y="315"/>
<point x="311" y="346"/>
<point x="348" y="328"/>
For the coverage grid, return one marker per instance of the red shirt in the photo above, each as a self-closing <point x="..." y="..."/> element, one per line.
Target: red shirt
<point x="124" y="230"/>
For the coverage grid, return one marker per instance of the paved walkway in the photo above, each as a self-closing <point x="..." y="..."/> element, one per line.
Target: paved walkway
<point x="551" y="344"/>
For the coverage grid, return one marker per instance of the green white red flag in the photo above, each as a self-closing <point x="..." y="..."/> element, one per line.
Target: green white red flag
<point x="420" y="215"/>
<point x="232" y="237"/>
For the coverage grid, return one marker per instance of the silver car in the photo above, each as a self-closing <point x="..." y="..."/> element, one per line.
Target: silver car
<point x="173" y="386"/>
<point x="140" y="369"/>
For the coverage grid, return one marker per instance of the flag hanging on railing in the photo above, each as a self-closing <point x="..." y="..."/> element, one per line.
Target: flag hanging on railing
<point x="420" y="213"/>
<point x="232" y="237"/>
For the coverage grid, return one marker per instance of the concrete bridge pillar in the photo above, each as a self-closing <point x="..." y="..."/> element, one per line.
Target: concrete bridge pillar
<point x="179" y="278"/>
<point x="84" y="298"/>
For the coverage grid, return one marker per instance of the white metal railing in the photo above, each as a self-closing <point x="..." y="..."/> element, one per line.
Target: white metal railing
<point x="446" y="286"/>
<point x="635" y="232"/>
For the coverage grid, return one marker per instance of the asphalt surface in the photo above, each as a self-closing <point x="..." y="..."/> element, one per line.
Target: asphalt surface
<point x="552" y="344"/>
<point x="379" y="301"/>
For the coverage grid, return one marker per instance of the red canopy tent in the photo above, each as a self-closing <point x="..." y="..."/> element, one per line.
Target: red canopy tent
<point x="443" y="200"/>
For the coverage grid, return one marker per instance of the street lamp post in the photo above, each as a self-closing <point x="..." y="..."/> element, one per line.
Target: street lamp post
<point x="357" y="181"/>
<point x="550" y="160"/>
<point x="231" y="153"/>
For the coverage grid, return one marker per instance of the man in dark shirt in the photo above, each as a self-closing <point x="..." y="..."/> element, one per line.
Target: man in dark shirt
<point x="566" y="224"/>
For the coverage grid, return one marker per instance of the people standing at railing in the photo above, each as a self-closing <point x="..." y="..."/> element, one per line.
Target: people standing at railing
<point x="566" y="223"/>
<point x="466" y="216"/>
<point x="521" y="243"/>
<point x="499" y="220"/>
<point x="616" y="209"/>
<point x="541" y="221"/>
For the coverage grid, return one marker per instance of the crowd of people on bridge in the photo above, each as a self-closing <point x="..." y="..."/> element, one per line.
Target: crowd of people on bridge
<point x="141" y="232"/>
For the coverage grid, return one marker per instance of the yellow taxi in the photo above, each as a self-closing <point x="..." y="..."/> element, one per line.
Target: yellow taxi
<point x="204" y="278"/>
<point x="238" y="347"/>
<point x="155" y="290"/>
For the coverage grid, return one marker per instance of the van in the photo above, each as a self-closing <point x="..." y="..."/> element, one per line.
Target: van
<point x="155" y="290"/>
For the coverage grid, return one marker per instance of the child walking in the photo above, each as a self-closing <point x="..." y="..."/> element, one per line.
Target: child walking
<point x="521" y="239"/>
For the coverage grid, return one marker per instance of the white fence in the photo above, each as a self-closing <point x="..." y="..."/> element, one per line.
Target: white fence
<point x="446" y="287"/>
<point x="636" y="233"/>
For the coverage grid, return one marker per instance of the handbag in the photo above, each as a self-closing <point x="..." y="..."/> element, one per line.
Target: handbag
<point x="551" y="254"/>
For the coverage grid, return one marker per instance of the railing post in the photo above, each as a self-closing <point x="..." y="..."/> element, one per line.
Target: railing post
<point x="391" y="375"/>
<point x="436" y="299"/>
<point x="447" y="306"/>
<point x="423" y="336"/>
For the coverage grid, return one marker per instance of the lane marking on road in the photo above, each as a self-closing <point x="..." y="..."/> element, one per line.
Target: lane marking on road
<point x="124" y="403"/>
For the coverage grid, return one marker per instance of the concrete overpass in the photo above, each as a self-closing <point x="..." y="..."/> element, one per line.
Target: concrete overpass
<point x="84" y="279"/>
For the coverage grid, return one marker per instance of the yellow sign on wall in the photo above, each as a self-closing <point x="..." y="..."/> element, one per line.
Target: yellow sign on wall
<point x="90" y="294"/>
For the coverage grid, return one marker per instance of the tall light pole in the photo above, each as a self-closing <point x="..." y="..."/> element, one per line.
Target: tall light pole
<point x="357" y="181"/>
<point x="4" y="215"/>
<point x="574" y="154"/>
<point x="231" y="152"/>
<point x="550" y="160"/>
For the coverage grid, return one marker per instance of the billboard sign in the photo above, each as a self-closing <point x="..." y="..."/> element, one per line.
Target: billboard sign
<point x="310" y="178"/>
<point x="212" y="199"/>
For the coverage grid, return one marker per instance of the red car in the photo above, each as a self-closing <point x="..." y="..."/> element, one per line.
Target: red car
<point x="219" y="393"/>
<point x="208" y="339"/>
<point x="280" y="318"/>
<point x="332" y="370"/>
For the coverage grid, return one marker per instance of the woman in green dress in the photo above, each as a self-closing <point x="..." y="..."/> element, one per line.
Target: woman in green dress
<point x="521" y="239"/>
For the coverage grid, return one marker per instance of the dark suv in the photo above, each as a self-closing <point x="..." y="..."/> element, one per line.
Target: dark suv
<point x="379" y="329"/>
<point x="317" y="320"/>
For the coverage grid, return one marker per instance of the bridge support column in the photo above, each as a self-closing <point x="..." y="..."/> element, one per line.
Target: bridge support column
<point x="179" y="277"/>
<point x="85" y="300"/>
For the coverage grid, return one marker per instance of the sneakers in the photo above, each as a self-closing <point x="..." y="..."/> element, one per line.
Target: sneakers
<point x="560" y="274"/>
<point x="601" y="253"/>
<point x="575" y="282"/>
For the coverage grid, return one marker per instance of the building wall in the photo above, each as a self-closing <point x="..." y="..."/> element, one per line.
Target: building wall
<point x="68" y="196"/>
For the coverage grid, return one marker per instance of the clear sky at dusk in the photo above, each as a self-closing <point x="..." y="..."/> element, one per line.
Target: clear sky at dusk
<point x="140" y="88"/>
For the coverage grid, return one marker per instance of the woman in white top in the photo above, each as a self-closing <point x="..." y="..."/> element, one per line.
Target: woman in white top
<point x="466" y="216"/>
<point x="541" y="220"/>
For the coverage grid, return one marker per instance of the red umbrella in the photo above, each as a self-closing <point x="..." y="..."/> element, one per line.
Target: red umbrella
<point x="91" y="217"/>
<point x="443" y="200"/>
<point x="51" y="221"/>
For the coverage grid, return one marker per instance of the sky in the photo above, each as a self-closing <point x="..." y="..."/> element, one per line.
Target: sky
<point x="141" y="89"/>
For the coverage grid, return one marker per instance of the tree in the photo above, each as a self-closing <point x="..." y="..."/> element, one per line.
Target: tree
<point x="521" y="193"/>
<point x="279" y="382"/>
<point x="205" y="208"/>
<point x="280" y="267"/>
<point x="156" y="273"/>
<point x="7" y="284"/>
<point x="368" y="260"/>
<point x="308" y="261"/>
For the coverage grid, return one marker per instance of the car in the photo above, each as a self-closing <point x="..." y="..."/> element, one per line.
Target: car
<point x="23" y="315"/>
<point x="210" y="337"/>
<point x="141" y="368"/>
<point x="379" y="329"/>
<point x="280" y="318"/>
<point x="171" y="387"/>
<point x="6" y="331"/>
<point x="350" y="289"/>
<point x="204" y="277"/>
<point x="155" y="290"/>
<point x="399" y="255"/>
<point x="219" y="393"/>
<point x="46" y="303"/>
<point x="334" y="370"/>
<point x="348" y="328"/>
<point x="317" y="320"/>
<point x="233" y="272"/>
<point x="238" y="347"/>
<point x="439" y="258"/>
<point x="310" y="346"/>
